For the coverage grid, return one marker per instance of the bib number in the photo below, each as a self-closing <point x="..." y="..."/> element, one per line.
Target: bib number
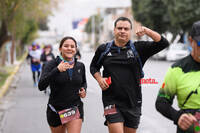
<point x="70" y="114"/>
<point x="110" y="109"/>
<point x="49" y="58"/>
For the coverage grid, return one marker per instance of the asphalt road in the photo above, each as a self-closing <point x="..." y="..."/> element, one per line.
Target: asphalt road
<point x="22" y="110"/>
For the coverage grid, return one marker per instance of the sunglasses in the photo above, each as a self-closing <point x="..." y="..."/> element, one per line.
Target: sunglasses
<point x="198" y="43"/>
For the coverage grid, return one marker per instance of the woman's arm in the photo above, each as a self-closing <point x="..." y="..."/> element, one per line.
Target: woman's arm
<point x="49" y="70"/>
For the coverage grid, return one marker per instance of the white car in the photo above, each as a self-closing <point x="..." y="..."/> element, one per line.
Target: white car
<point x="177" y="51"/>
<point x="160" y="55"/>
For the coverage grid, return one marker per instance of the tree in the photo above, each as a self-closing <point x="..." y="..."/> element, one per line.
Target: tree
<point x="43" y="24"/>
<point x="17" y="15"/>
<point x="97" y="27"/>
<point x="151" y="13"/>
<point x="183" y="13"/>
<point x="98" y="20"/>
<point x="175" y="16"/>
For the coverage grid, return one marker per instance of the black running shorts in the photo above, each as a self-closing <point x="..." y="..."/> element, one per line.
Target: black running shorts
<point x="130" y="117"/>
<point x="53" y="118"/>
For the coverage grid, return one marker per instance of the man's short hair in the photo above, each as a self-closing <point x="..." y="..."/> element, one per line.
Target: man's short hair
<point x="122" y="19"/>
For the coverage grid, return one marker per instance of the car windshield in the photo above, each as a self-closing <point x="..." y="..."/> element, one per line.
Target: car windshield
<point x="178" y="47"/>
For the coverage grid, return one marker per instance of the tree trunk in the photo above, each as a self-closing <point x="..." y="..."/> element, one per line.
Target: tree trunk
<point x="19" y="48"/>
<point x="12" y="51"/>
<point x="3" y="55"/>
<point x="4" y="37"/>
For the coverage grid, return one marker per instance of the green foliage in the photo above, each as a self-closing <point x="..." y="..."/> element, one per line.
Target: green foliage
<point x="88" y="27"/>
<point x="97" y="27"/>
<point x="176" y="16"/>
<point x="19" y="21"/>
<point x="183" y="13"/>
<point x="29" y="32"/>
<point x="98" y="20"/>
<point x="18" y="13"/>
<point x="151" y="13"/>
<point x="4" y="73"/>
<point x="3" y="77"/>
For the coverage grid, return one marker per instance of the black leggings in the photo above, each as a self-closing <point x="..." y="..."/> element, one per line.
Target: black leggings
<point x="34" y="78"/>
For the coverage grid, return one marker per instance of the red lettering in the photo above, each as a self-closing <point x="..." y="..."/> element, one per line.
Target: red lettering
<point x="148" y="81"/>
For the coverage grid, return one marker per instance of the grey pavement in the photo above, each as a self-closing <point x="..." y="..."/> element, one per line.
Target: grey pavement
<point x="23" y="109"/>
<point x="24" y="106"/>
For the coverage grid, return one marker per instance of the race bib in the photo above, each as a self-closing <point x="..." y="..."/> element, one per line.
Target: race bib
<point x="70" y="114"/>
<point x="197" y="124"/>
<point x="110" y="109"/>
<point x="49" y="58"/>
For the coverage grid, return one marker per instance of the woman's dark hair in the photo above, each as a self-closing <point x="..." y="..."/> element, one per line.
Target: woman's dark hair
<point x="123" y="19"/>
<point x="66" y="38"/>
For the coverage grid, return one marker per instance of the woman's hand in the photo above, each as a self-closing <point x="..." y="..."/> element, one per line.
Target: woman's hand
<point x="82" y="93"/>
<point x="63" y="66"/>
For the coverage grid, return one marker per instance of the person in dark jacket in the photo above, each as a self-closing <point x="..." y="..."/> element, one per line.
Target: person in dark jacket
<point x="182" y="80"/>
<point x="78" y="54"/>
<point x="122" y="98"/>
<point x="67" y="80"/>
<point x="47" y="54"/>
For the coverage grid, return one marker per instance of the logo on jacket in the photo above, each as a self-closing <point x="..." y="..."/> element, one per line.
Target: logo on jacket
<point x="79" y="70"/>
<point x="109" y="54"/>
<point x="130" y="54"/>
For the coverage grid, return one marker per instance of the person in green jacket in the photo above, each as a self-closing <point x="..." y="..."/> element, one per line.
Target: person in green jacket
<point x="183" y="81"/>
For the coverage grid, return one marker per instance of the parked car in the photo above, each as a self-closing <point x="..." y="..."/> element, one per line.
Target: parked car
<point x="177" y="51"/>
<point x="160" y="55"/>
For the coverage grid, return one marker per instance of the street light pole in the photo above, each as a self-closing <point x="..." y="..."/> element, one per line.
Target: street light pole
<point x="93" y="31"/>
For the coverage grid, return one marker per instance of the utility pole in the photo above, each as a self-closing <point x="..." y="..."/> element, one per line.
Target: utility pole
<point x="93" y="31"/>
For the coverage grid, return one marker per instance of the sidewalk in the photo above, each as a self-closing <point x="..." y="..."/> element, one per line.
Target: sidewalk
<point x="9" y="80"/>
<point x="23" y="107"/>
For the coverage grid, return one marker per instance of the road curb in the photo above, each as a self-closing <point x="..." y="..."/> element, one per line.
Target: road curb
<point x="8" y="81"/>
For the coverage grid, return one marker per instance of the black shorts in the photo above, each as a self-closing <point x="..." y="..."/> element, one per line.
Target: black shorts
<point x="53" y="118"/>
<point x="130" y="117"/>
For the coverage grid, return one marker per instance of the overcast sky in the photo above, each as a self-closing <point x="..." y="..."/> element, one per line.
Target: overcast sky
<point x="75" y="9"/>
